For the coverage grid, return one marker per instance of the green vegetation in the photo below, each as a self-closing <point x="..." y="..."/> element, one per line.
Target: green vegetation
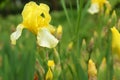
<point x="91" y="38"/>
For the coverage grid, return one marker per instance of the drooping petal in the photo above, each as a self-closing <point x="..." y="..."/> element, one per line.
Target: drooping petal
<point x="15" y="35"/>
<point x="94" y="8"/>
<point x="46" y="39"/>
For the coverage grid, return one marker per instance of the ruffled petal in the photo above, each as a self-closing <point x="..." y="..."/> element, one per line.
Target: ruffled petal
<point x="94" y="8"/>
<point x="35" y="16"/>
<point x="46" y="39"/>
<point x="15" y="35"/>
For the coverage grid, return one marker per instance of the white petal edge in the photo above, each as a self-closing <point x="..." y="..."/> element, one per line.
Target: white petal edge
<point x="15" y="35"/>
<point x="94" y="8"/>
<point x="46" y="39"/>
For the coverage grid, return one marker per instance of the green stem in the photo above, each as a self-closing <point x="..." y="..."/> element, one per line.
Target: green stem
<point x="65" y="10"/>
<point x="79" y="17"/>
<point x="67" y="16"/>
<point x="57" y="61"/>
<point x="77" y="2"/>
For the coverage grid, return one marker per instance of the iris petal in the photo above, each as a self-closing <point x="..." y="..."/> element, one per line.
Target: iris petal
<point x="15" y="35"/>
<point x="94" y="8"/>
<point x="46" y="39"/>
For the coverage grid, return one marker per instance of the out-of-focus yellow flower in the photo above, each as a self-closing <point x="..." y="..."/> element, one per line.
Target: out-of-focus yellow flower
<point x="36" y="18"/>
<point x="92" y="71"/>
<point x="98" y="5"/>
<point x="59" y="32"/>
<point x="49" y="75"/>
<point x="115" y="41"/>
<point x="70" y="46"/>
<point x="51" y="63"/>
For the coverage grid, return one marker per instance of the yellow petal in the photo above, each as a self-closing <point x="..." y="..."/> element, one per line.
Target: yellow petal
<point x="49" y="75"/>
<point x="35" y="16"/>
<point x="94" y="8"/>
<point x="51" y="63"/>
<point x="94" y="1"/>
<point x="46" y="39"/>
<point x="44" y="7"/>
<point x="115" y="41"/>
<point x="15" y="35"/>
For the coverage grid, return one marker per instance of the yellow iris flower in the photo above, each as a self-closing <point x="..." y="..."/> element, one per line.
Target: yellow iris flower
<point x="115" y="41"/>
<point x="36" y="18"/>
<point x="97" y="5"/>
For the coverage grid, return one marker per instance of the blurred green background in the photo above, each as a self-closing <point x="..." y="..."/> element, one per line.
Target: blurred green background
<point x="15" y="6"/>
<point x="18" y="62"/>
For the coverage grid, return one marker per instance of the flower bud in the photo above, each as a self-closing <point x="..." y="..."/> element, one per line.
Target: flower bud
<point x="49" y="75"/>
<point x="92" y="71"/>
<point x="59" y="32"/>
<point x="70" y="46"/>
